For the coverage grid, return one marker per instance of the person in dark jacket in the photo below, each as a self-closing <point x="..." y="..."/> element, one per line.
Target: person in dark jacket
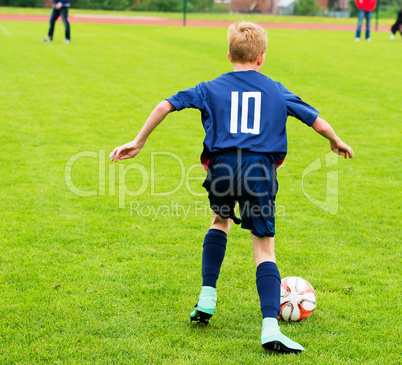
<point x="60" y="7"/>
<point x="397" y="26"/>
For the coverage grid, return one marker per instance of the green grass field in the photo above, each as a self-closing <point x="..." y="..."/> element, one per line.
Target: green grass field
<point x="91" y="274"/>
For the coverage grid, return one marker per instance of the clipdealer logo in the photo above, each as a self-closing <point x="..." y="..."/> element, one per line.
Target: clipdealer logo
<point x="145" y="179"/>
<point x="330" y="203"/>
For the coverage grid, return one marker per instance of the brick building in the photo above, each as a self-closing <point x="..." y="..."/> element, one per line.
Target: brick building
<point x="247" y="6"/>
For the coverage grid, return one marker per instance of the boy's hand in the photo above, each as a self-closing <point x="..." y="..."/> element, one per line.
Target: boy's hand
<point x="322" y="127"/>
<point x="133" y="148"/>
<point x="58" y="5"/>
<point x="341" y="148"/>
<point x="128" y="150"/>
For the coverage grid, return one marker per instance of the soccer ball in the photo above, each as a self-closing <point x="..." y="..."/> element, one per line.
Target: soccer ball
<point x="298" y="299"/>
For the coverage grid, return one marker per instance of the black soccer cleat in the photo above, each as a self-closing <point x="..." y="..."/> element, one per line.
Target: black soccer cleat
<point x="280" y="348"/>
<point x="200" y="317"/>
<point x="272" y="339"/>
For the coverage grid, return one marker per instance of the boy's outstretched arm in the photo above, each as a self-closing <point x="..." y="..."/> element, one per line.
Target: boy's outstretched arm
<point x="336" y="144"/>
<point x="133" y="148"/>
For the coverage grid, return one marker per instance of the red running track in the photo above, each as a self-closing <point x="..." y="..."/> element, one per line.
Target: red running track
<point x="138" y="20"/>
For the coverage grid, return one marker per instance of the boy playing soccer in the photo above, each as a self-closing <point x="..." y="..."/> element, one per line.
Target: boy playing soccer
<point x="244" y="115"/>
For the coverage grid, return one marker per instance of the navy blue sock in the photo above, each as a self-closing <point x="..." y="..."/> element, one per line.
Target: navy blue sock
<point x="212" y="256"/>
<point x="269" y="289"/>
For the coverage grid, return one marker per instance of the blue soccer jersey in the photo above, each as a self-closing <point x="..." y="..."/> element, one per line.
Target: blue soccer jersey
<point x="245" y="110"/>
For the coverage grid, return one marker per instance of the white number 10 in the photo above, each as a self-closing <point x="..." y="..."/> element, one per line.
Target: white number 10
<point x="244" y="112"/>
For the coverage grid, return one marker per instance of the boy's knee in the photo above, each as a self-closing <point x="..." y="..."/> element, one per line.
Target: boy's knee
<point x="223" y="224"/>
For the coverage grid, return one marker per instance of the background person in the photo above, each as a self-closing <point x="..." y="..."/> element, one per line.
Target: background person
<point x="397" y="26"/>
<point x="60" y="7"/>
<point x="366" y="8"/>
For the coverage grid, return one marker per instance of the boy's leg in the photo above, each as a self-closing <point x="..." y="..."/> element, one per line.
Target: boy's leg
<point x="368" y="21"/>
<point x="394" y="29"/>
<point x="359" y="24"/>
<point x="269" y="289"/>
<point x="53" y="17"/>
<point x="264" y="249"/>
<point x="64" y="16"/>
<point x="212" y="257"/>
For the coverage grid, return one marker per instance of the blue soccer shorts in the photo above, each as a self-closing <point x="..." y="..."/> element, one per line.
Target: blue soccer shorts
<point x="248" y="179"/>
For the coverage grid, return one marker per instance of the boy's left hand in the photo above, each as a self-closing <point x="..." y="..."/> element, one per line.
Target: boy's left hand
<point x="341" y="148"/>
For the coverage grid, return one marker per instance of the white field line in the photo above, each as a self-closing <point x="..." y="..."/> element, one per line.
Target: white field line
<point x="5" y="30"/>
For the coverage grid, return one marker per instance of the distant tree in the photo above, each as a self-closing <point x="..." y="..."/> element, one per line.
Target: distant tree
<point x="165" y="5"/>
<point x="353" y="9"/>
<point x="200" y="5"/>
<point x="115" y="4"/>
<point x="307" y="7"/>
<point x="146" y="5"/>
<point x="20" y="3"/>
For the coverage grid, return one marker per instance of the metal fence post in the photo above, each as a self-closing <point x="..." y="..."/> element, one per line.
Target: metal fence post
<point x="184" y="12"/>
<point x="377" y="10"/>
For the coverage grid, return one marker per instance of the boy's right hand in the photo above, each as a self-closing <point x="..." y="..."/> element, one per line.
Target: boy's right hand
<point x="128" y="150"/>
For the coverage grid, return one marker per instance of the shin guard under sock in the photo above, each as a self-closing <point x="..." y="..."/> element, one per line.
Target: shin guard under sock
<point x="212" y="256"/>
<point x="269" y="288"/>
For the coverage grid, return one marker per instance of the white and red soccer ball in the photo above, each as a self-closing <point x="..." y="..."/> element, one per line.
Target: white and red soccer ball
<point x="298" y="299"/>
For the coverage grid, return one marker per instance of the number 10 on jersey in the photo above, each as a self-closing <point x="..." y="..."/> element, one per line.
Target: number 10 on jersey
<point x="244" y="125"/>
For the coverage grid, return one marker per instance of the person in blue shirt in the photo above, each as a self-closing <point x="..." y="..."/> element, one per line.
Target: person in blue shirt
<point x="244" y="116"/>
<point x="59" y="8"/>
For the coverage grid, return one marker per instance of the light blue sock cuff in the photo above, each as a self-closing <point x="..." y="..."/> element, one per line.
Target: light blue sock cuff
<point x="270" y="322"/>
<point x="208" y="291"/>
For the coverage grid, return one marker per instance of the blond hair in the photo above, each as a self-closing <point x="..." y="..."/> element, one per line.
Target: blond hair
<point x="246" y="41"/>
